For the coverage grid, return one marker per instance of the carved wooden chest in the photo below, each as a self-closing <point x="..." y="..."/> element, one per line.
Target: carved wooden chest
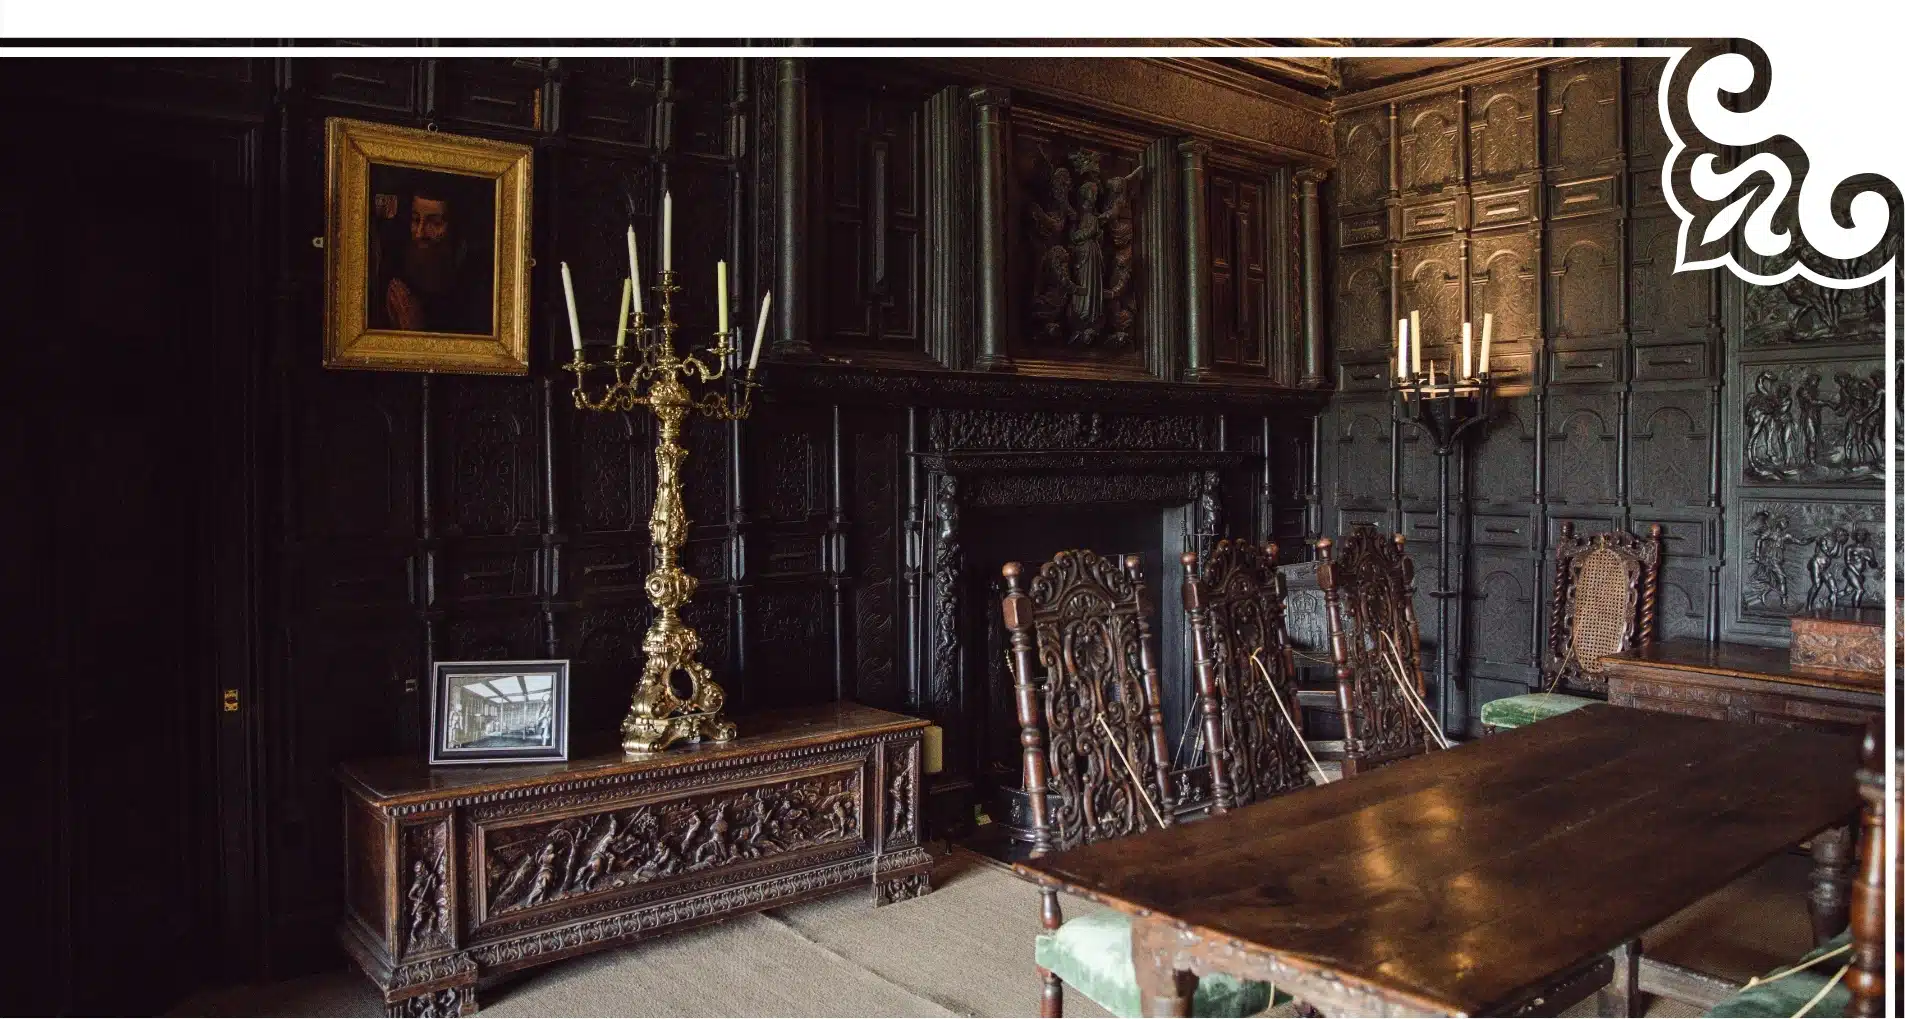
<point x="457" y="873"/>
<point x="1744" y="684"/>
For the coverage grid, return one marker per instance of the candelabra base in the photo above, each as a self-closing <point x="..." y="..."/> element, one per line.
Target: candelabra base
<point x="653" y="735"/>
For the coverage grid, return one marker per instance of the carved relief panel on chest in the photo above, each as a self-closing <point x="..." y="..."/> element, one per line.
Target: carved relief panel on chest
<point x="455" y="874"/>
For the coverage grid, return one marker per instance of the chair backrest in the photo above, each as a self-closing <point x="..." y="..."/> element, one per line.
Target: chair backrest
<point x="1234" y="599"/>
<point x="1369" y="590"/>
<point x="1084" y="664"/>
<point x="1605" y="589"/>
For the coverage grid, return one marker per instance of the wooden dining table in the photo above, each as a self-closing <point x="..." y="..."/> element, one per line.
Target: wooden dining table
<point x="1507" y="876"/>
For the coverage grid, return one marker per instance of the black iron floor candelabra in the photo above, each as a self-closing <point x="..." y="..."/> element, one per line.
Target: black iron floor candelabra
<point x="1444" y="410"/>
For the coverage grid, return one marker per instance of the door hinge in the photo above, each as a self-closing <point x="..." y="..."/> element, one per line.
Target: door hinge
<point x="231" y="700"/>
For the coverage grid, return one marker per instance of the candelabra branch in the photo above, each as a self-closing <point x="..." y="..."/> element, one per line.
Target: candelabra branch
<point x="677" y="697"/>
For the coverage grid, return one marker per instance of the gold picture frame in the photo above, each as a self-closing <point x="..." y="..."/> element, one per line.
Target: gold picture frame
<point x="408" y="283"/>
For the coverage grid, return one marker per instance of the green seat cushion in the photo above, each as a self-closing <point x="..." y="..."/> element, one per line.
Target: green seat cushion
<point x="1789" y="994"/>
<point x="1092" y="953"/>
<point x="1529" y="708"/>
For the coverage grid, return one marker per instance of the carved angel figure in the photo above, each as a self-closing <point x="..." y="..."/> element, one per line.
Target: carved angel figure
<point x="1085" y="255"/>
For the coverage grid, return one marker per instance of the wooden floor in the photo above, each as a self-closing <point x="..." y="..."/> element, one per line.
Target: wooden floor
<point x="963" y="950"/>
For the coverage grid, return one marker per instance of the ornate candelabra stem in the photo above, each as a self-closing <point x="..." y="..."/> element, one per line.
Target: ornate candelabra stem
<point x="676" y="697"/>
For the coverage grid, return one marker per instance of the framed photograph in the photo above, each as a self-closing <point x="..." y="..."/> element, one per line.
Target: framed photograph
<point x="426" y="251"/>
<point x="495" y="712"/>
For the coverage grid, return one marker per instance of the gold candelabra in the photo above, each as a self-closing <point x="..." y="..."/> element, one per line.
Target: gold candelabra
<point x="665" y="710"/>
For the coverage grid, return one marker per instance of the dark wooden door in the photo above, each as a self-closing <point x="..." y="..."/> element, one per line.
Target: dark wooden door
<point x="121" y="288"/>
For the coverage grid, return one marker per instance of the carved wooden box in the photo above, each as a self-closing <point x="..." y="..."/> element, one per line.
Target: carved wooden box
<point x="457" y="873"/>
<point x="1844" y="640"/>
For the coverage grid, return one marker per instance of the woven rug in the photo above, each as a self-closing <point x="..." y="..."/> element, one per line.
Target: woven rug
<point x="965" y="949"/>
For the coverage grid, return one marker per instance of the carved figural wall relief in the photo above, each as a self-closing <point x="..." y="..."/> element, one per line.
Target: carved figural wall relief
<point x="539" y="864"/>
<point x="1795" y="432"/>
<point x="1834" y="546"/>
<point x="1085" y="295"/>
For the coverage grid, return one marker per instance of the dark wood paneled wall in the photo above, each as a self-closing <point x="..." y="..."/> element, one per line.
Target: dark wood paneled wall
<point x="1534" y="194"/>
<point x="352" y="526"/>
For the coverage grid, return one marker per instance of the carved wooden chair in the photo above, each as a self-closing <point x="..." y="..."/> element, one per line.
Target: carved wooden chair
<point x="1860" y="989"/>
<point x="1605" y="589"/>
<point x="1234" y="599"/>
<point x="1368" y="587"/>
<point x="1097" y="766"/>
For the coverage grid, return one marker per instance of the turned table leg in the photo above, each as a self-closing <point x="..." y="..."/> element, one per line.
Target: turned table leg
<point x="1621" y="996"/>
<point x="1831" y="882"/>
<point x="1164" y="989"/>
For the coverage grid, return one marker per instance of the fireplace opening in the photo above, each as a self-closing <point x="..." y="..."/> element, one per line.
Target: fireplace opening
<point x="1032" y="536"/>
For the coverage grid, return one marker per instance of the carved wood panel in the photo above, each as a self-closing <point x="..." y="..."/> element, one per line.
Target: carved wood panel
<point x="1362" y="452"/>
<point x="491" y="456"/>
<point x="1502" y="609"/>
<point x="1816" y="423"/>
<point x="1664" y="303"/>
<point x="1504" y="457"/>
<point x="1362" y="146"/>
<point x="1431" y="282"/>
<point x="1800" y="555"/>
<point x="1584" y="115"/>
<point x="868" y="150"/>
<point x="1361" y="325"/>
<point x="1429" y="141"/>
<point x="1502" y="119"/>
<point x="1584" y="281"/>
<point x="1583" y="432"/>
<point x="1243" y="305"/>
<point x="1671" y="442"/>
<point x="877" y="472"/>
<point x="1504" y="281"/>
<point x="1076" y="238"/>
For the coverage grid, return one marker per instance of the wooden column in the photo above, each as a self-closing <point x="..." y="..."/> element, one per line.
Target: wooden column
<point x="1197" y="364"/>
<point x="990" y="143"/>
<point x="1314" y="375"/>
<point x="791" y="182"/>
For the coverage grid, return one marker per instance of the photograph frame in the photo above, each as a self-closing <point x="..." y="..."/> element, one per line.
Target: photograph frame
<point x="555" y="749"/>
<point x="351" y="340"/>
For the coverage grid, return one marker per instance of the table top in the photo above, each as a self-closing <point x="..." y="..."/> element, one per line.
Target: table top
<point x="1772" y="664"/>
<point x="394" y="780"/>
<point x="1459" y="881"/>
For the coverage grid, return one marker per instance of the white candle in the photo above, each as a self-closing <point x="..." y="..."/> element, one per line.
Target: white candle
<point x="1415" y="342"/>
<point x="575" y="325"/>
<point x="1468" y="364"/>
<point x="634" y="270"/>
<point x="721" y="296"/>
<point x="760" y="332"/>
<point x="621" y="320"/>
<point x="1488" y="329"/>
<point x="1402" y="348"/>
<point x="667" y="231"/>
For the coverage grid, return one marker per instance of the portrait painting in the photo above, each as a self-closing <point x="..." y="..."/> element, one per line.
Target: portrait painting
<point x="427" y="245"/>
<point x="493" y="712"/>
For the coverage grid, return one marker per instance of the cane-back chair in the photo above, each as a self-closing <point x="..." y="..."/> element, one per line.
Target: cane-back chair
<point x="1097" y="765"/>
<point x="1234" y="598"/>
<point x="1368" y="587"/>
<point x="1605" y="589"/>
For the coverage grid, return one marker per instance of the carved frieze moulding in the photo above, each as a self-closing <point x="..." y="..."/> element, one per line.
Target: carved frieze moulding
<point x="1006" y="430"/>
<point x="1812" y="555"/>
<point x="1085" y="294"/>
